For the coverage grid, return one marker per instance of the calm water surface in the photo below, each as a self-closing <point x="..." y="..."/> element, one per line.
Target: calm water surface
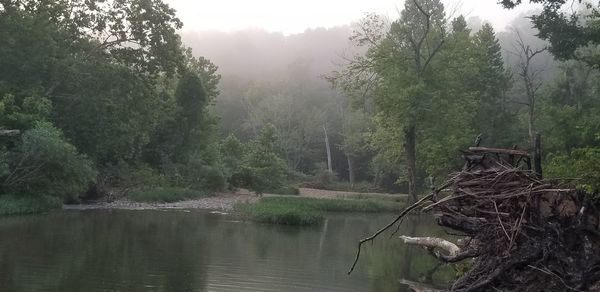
<point x="151" y="250"/>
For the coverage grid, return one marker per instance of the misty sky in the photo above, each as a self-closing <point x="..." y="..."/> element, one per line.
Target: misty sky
<point x="293" y="16"/>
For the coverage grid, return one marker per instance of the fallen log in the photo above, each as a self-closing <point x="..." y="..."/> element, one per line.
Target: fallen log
<point x="433" y="242"/>
<point x="498" y="151"/>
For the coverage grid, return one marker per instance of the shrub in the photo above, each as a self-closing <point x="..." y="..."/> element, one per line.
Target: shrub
<point x="261" y="169"/>
<point x="205" y="172"/>
<point x="166" y="195"/>
<point x="43" y="162"/>
<point x="125" y="175"/>
<point x="581" y="163"/>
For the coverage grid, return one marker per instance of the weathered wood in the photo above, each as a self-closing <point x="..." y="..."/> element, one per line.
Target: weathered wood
<point x="498" y="151"/>
<point x="4" y="132"/>
<point x="433" y="242"/>
<point x="418" y="287"/>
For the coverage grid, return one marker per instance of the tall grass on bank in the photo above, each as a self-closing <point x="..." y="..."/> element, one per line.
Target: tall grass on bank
<point x="166" y="195"/>
<point x="288" y="210"/>
<point x="399" y="198"/>
<point x="338" y="205"/>
<point x="25" y="204"/>
<point x="280" y="213"/>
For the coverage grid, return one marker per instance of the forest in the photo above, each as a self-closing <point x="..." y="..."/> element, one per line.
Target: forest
<point x="102" y="99"/>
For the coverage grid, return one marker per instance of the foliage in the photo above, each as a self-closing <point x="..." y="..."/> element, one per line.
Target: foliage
<point x="203" y="171"/>
<point x="44" y="163"/>
<point x="569" y="106"/>
<point x="494" y="118"/>
<point x="114" y="78"/>
<point x="11" y="204"/>
<point x="262" y="170"/>
<point x="110" y="114"/>
<point x="298" y="112"/>
<point x="166" y="195"/>
<point x="115" y="25"/>
<point x="420" y="73"/>
<point x="582" y="164"/>
<point x="570" y="125"/>
<point x="24" y="114"/>
<point x="568" y="33"/>
<point x="233" y="152"/>
<point x="126" y="176"/>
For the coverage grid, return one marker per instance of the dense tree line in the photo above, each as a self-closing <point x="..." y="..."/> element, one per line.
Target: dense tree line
<point x="103" y="98"/>
<point x="436" y="85"/>
<point x="100" y="98"/>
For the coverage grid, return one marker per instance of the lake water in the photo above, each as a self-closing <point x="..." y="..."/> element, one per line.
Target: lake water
<point x="152" y="250"/>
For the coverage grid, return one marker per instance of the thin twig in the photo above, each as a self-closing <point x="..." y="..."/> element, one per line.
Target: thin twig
<point x="372" y="237"/>
<point x="548" y="272"/>
<point x="500" y="220"/>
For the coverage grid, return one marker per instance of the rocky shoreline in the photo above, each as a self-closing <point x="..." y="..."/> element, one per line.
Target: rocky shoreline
<point x="221" y="202"/>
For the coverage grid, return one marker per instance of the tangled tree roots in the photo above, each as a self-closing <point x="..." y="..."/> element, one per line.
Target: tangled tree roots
<point x="524" y="233"/>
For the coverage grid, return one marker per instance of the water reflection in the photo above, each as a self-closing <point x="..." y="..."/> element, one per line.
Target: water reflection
<point x="112" y="250"/>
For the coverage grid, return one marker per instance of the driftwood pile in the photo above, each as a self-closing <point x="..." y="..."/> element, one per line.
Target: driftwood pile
<point x="523" y="233"/>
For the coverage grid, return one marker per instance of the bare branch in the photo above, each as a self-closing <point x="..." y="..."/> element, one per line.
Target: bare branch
<point x="372" y="237"/>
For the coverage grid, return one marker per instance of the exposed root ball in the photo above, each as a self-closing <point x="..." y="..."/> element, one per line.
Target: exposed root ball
<point x="526" y="234"/>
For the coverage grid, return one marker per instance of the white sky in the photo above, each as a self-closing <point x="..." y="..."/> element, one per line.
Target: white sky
<point x="293" y="16"/>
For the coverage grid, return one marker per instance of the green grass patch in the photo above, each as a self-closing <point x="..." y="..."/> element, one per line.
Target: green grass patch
<point x="308" y="211"/>
<point x="374" y="196"/>
<point x="166" y="195"/>
<point x="338" y="205"/>
<point x="280" y="213"/>
<point x="26" y="204"/>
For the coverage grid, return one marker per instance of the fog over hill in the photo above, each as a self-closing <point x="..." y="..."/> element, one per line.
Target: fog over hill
<point x="258" y="53"/>
<point x="273" y="78"/>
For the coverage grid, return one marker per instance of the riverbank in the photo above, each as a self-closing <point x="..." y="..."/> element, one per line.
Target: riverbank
<point x="220" y="202"/>
<point x="226" y="201"/>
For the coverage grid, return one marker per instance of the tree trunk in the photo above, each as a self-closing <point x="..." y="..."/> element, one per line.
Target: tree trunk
<point x="411" y="161"/>
<point x="530" y="123"/>
<point x="350" y="171"/>
<point x="537" y="155"/>
<point x="329" y="167"/>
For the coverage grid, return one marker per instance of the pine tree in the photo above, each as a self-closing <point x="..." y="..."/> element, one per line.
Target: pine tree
<point x="493" y="80"/>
